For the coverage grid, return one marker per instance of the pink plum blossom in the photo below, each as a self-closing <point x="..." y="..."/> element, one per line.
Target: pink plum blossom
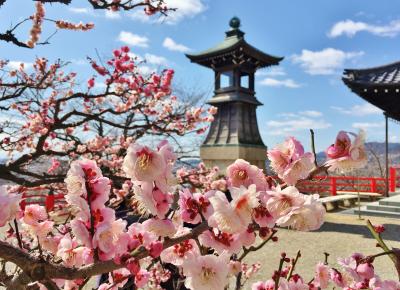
<point x="9" y="204"/>
<point x="281" y="201"/>
<point x="307" y="217"/>
<point x="40" y="229"/>
<point x="160" y="227"/>
<point x="343" y="157"/>
<point x="235" y="216"/>
<point x="191" y="205"/>
<point x="268" y="285"/>
<point x="235" y="267"/>
<point x="220" y="241"/>
<point x="80" y="171"/>
<point x="141" y="278"/>
<point x="290" y="162"/>
<point x="81" y="232"/>
<point x="139" y="236"/>
<point x="261" y="215"/>
<point x="206" y="272"/>
<point x="109" y="238"/>
<point x="34" y="214"/>
<point x="152" y="201"/>
<point x="72" y="254"/>
<point x="117" y="279"/>
<point x="242" y="173"/>
<point x="179" y="252"/>
<point x="341" y="147"/>
<point x="143" y="164"/>
<point x="322" y="276"/>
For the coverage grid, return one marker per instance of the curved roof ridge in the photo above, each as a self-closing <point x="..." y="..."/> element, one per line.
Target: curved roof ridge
<point x="372" y="69"/>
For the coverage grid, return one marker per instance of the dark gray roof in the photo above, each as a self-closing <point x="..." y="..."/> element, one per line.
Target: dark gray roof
<point x="234" y="48"/>
<point x="382" y="75"/>
<point x="379" y="86"/>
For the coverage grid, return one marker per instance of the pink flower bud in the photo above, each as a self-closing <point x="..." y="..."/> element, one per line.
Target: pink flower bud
<point x="365" y="270"/>
<point x="155" y="249"/>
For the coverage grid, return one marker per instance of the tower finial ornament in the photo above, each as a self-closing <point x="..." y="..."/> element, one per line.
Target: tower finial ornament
<point x="234" y="23"/>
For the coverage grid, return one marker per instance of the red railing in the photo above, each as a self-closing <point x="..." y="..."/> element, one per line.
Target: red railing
<point x="41" y="196"/>
<point x="323" y="185"/>
<point x="330" y="185"/>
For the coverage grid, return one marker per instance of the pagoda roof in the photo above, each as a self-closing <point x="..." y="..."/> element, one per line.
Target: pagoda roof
<point x="386" y="75"/>
<point x="379" y="86"/>
<point x="235" y="48"/>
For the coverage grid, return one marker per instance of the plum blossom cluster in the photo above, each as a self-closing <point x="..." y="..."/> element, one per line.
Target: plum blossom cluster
<point x="36" y="29"/>
<point x="355" y="273"/>
<point x="292" y="164"/>
<point x="66" y="122"/>
<point x="344" y="154"/>
<point x="150" y="7"/>
<point x="224" y="222"/>
<point x="61" y="24"/>
<point x="179" y="233"/>
<point x="202" y="177"/>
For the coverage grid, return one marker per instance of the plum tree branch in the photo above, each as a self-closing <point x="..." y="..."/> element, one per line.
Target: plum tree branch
<point x="38" y="270"/>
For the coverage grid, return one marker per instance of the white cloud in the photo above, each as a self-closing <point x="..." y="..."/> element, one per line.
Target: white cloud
<point x="79" y="61"/>
<point x="289" y="126"/>
<point x="184" y="9"/>
<point x="112" y="14"/>
<point x="133" y="39"/>
<point x="288" y="83"/>
<point x="81" y="10"/>
<point x="170" y="44"/>
<point x="351" y="28"/>
<point x="367" y="125"/>
<point x="295" y="122"/>
<point x="359" y="110"/>
<point x="272" y="72"/>
<point x="311" y="113"/>
<point x="155" y="59"/>
<point x="324" y="62"/>
<point x="151" y="60"/>
<point x="146" y="70"/>
<point x="17" y="64"/>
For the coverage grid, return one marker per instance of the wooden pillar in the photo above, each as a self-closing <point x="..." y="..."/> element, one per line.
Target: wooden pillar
<point x="386" y="154"/>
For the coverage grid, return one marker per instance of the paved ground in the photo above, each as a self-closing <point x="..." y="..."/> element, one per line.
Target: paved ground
<point x="341" y="235"/>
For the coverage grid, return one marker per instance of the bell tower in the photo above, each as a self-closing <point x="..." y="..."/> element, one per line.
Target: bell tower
<point x="234" y="132"/>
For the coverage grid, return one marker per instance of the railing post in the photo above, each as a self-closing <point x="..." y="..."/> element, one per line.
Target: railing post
<point x="50" y="202"/>
<point x="333" y="185"/>
<point x="392" y="180"/>
<point x="373" y="185"/>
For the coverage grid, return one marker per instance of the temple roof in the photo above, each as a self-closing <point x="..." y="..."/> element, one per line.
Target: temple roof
<point x="382" y="75"/>
<point x="234" y="48"/>
<point x="379" y="86"/>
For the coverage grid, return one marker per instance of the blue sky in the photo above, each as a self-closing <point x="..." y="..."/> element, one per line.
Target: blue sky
<point x="317" y="38"/>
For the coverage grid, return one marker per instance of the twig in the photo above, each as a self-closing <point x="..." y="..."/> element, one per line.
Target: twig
<point x="17" y="233"/>
<point x="313" y="147"/>
<point x="383" y="245"/>
<point x="298" y="255"/>
<point x="252" y="248"/>
<point x="278" y="276"/>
